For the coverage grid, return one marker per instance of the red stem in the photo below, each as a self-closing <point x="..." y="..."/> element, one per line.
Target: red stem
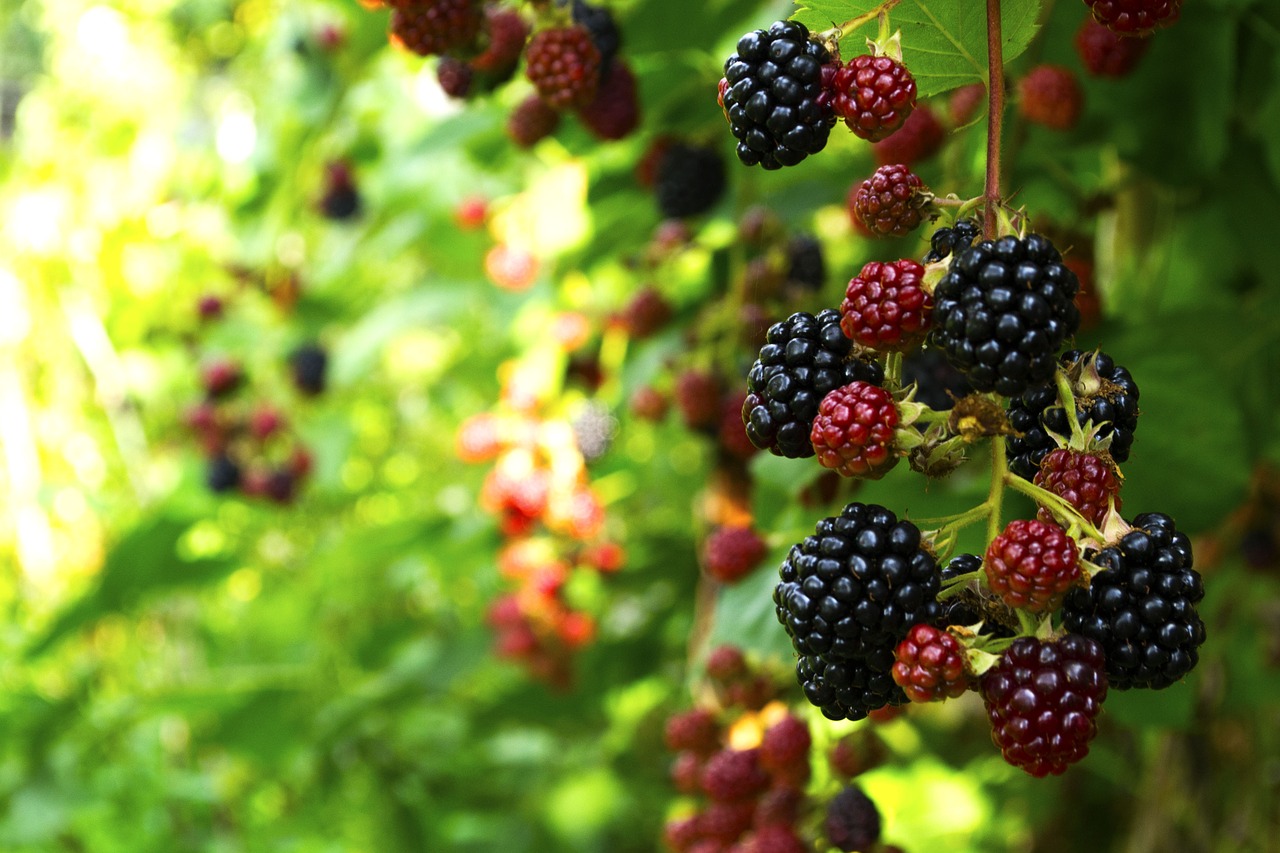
<point x="995" y="115"/>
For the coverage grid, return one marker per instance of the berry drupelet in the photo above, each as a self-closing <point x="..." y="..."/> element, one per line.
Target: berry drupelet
<point x="1141" y="608"/>
<point x="804" y="359"/>
<point x="772" y="93"/>
<point x="1003" y="310"/>
<point x="847" y="597"/>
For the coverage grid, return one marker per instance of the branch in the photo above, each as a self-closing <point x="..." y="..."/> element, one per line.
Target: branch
<point x="995" y="115"/>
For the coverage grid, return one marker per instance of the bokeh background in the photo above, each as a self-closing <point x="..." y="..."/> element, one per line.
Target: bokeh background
<point x="319" y="662"/>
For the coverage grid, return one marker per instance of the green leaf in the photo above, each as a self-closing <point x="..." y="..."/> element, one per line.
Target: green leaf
<point x="944" y="42"/>
<point x="145" y="561"/>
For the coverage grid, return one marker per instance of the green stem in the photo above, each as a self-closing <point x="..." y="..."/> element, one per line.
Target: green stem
<point x="995" y="497"/>
<point x="1059" y="505"/>
<point x="1068" y="397"/>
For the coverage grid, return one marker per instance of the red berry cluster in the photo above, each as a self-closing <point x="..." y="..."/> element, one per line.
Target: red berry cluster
<point x="249" y="445"/>
<point x="552" y="519"/>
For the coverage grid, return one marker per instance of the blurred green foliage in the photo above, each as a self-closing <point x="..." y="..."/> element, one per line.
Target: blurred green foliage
<point x="183" y="672"/>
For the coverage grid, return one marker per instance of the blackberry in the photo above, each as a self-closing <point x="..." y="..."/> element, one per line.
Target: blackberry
<point x="1050" y="95"/>
<point x="806" y="264"/>
<point x="1003" y="310"/>
<point x="430" y="27"/>
<point x="874" y="95"/>
<point x="919" y="138"/>
<point x="689" y="180"/>
<point x="731" y="552"/>
<point x="603" y="29"/>
<point x="772" y="93"/>
<point x="222" y="474"/>
<point x="563" y="64"/>
<point x="1135" y="17"/>
<point x="854" y="431"/>
<point x="853" y="821"/>
<point x="733" y="775"/>
<point x="886" y="306"/>
<point x="1032" y="564"/>
<point x="804" y="359"/>
<point x="970" y="606"/>
<point x="1105" y="393"/>
<point x="341" y="199"/>
<point x="946" y="241"/>
<point x="890" y="202"/>
<point x="531" y="121"/>
<point x="1085" y="480"/>
<point x="615" y="111"/>
<point x="847" y="597"/>
<point x="1142" y="607"/>
<point x="930" y="664"/>
<point x="938" y="384"/>
<point x="1106" y="53"/>
<point x="309" y="363"/>
<point x="1043" y="699"/>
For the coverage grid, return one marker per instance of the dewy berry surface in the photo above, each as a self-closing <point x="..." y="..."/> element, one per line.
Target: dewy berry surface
<point x="854" y="430"/>
<point x="804" y="359"/>
<point x="1032" y="565"/>
<point x="1003" y="310"/>
<point x="873" y="95"/>
<point x="1141" y="608"/>
<point x="773" y="97"/>
<point x="847" y="596"/>
<point x="886" y="307"/>
<point x="1043" y="699"/>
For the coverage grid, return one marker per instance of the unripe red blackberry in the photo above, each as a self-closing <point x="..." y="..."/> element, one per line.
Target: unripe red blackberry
<point x="733" y="433"/>
<point x="681" y="834"/>
<point x="686" y="772"/>
<point x="646" y="313"/>
<point x="930" y="664"/>
<point x="695" y="730"/>
<point x="210" y="307"/>
<point x="919" y="138"/>
<point x="563" y="64"/>
<point x="454" y="76"/>
<point x="853" y="821"/>
<point x="531" y="121"/>
<point x="853" y="432"/>
<point x="886" y="307"/>
<point x="1051" y="96"/>
<point x="649" y="404"/>
<point x="726" y="663"/>
<point x="1086" y="481"/>
<point x="698" y="397"/>
<point x="965" y="102"/>
<point x="785" y="746"/>
<point x="772" y="94"/>
<point x="1106" y="53"/>
<point x="734" y="775"/>
<point x="1032" y="565"/>
<point x="431" y="27"/>
<point x="731" y="553"/>
<point x="1135" y="17"/>
<point x="725" y="822"/>
<point x="614" y="112"/>
<point x="504" y="33"/>
<point x="856" y="753"/>
<point x="890" y="202"/>
<point x="1042" y="699"/>
<point x="874" y="95"/>
<point x="781" y="806"/>
<point x="773" y="838"/>
<point x="221" y="377"/>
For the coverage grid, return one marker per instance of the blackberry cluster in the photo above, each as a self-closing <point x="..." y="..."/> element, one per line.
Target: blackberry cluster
<point x="946" y="241"/>
<point x="847" y="597"/>
<point x="1113" y="402"/>
<point x="804" y="359"/>
<point x="689" y="180"/>
<point x="773" y="96"/>
<point x="1002" y="312"/>
<point x="1142" y="607"/>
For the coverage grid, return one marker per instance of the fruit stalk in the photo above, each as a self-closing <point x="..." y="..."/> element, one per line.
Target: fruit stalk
<point x="995" y="115"/>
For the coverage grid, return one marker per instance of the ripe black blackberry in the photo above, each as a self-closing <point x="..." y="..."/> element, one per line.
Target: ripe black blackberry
<point x="689" y="180"/>
<point x="603" y="28"/>
<point x="1105" y="393"/>
<point x="773" y="96"/>
<point x="806" y="266"/>
<point x="1142" y="607"/>
<point x="847" y="596"/>
<point x="945" y="241"/>
<point x="853" y="821"/>
<point x="222" y="474"/>
<point x="308" y="365"/>
<point x="804" y="359"/>
<point x="1002" y="312"/>
<point x="938" y="384"/>
<point x="971" y="606"/>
